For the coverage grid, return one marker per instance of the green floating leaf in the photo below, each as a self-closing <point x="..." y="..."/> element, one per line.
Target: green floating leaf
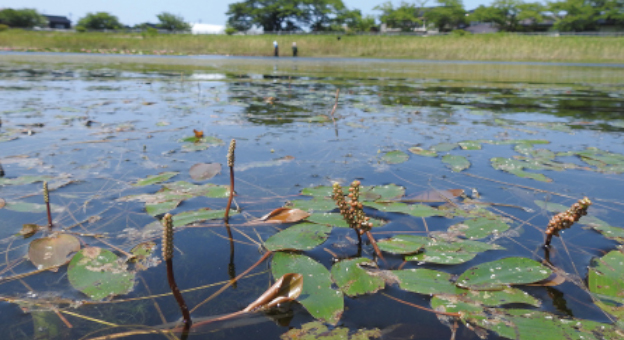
<point x="161" y="208"/>
<point x="322" y="191"/>
<point x="199" y="144"/>
<point x="155" y="179"/>
<point x="186" y="188"/>
<point x="304" y="236"/>
<point x="316" y="330"/>
<point x="470" y="145"/>
<point x="606" y="275"/>
<point x="32" y="207"/>
<point x="516" y="167"/>
<point x="426" y="281"/>
<point x="381" y="192"/>
<point x="479" y="227"/>
<point x="353" y="280"/>
<point x="550" y="206"/>
<point x="317" y="297"/>
<point x="498" y="274"/>
<point x="99" y="273"/>
<point x="417" y="210"/>
<point x="24" y="180"/>
<point x="443" y="147"/>
<point x="395" y="157"/>
<point x="456" y="163"/>
<point x="442" y="257"/>
<point x="422" y="152"/>
<point x="500" y="297"/>
<point x="52" y="251"/>
<point x="200" y="215"/>
<point x="612" y="233"/>
<point x="314" y="204"/>
<point x="403" y="244"/>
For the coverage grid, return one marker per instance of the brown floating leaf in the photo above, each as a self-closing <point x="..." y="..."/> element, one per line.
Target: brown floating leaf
<point x="29" y="230"/>
<point x="437" y="195"/>
<point x="204" y="171"/>
<point x="2" y="203"/>
<point x="284" y="215"/>
<point x="198" y="134"/>
<point x="52" y="251"/>
<point x="287" y="288"/>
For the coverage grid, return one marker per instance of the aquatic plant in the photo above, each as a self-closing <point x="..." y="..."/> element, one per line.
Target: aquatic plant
<point x="167" y="253"/>
<point x="566" y="219"/>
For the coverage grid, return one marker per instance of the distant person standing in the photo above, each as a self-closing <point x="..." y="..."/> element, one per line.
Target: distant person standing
<point x="276" y="48"/>
<point x="294" y="48"/>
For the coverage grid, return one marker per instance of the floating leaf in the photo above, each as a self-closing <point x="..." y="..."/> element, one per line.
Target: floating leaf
<point x="317" y="296"/>
<point x="442" y="257"/>
<point x="24" y="180"/>
<point x="144" y="249"/>
<point x="403" y="244"/>
<point x="395" y="157"/>
<point x="381" y="192"/>
<point x="287" y="288"/>
<point x="275" y="162"/>
<point x="479" y="227"/>
<point x="304" y="236"/>
<point x="425" y="281"/>
<point x="29" y="230"/>
<point x="613" y="233"/>
<point x="155" y="179"/>
<point x="435" y="196"/>
<point x="99" y="273"/>
<point x="186" y="188"/>
<point x="32" y="207"/>
<point x="516" y="167"/>
<point x="498" y="274"/>
<point x="200" y="215"/>
<point x="353" y="280"/>
<point x="422" y="152"/>
<point x="495" y="298"/>
<point x="322" y="191"/>
<point x="161" y="208"/>
<point x="456" y="163"/>
<point x="470" y="145"/>
<point x="316" y="330"/>
<point x="314" y="204"/>
<point x="606" y="275"/>
<point x="418" y="210"/>
<point x="52" y="251"/>
<point x="284" y="215"/>
<point x="336" y="220"/>
<point x="204" y="171"/>
<point x="443" y="147"/>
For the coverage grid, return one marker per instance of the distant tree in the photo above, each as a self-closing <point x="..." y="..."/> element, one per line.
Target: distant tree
<point x="322" y="15"/>
<point x="22" y="18"/>
<point x="171" y="22"/>
<point x="585" y="15"/>
<point x="271" y="15"/>
<point x="406" y="17"/>
<point x="356" y="22"/>
<point x="507" y="14"/>
<point x="99" y="21"/>
<point x="449" y="15"/>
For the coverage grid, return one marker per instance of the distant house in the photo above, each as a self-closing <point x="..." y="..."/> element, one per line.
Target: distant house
<point x="207" y="29"/>
<point x="481" y="27"/>
<point x="57" y="21"/>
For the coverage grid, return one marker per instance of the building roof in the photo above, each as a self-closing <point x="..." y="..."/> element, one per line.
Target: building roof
<point x="57" y="19"/>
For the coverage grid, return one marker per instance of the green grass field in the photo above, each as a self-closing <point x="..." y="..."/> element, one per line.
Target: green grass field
<point x="495" y="47"/>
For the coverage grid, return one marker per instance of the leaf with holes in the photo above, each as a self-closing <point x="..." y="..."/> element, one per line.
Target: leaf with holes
<point x="353" y="280"/>
<point x="304" y="236"/>
<point x="498" y="274"/>
<point x="395" y="157"/>
<point x="403" y="244"/>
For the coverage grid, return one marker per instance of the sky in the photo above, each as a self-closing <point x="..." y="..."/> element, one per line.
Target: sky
<point x="131" y="12"/>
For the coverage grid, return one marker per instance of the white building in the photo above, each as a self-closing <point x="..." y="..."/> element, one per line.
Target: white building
<point x="207" y="29"/>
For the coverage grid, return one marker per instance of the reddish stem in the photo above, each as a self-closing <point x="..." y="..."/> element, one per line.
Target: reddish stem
<point x="178" y="296"/>
<point x="374" y="244"/>
<point x="229" y="203"/>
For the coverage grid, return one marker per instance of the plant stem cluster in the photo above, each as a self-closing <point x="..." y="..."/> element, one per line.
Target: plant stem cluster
<point x="351" y="210"/>
<point x="566" y="219"/>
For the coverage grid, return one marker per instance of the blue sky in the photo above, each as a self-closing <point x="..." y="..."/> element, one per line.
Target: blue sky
<point x="132" y="12"/>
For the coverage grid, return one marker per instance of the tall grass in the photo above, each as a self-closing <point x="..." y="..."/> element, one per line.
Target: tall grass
<point x="496" y="47"/>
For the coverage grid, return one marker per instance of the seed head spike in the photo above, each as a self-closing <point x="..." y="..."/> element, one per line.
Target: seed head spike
<point x="46" y="193"/>
<point x="230" y="155"/>
<point x="167" y="241"/>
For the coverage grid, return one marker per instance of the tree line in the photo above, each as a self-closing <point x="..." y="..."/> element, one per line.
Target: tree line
<point x="333" y="15"/>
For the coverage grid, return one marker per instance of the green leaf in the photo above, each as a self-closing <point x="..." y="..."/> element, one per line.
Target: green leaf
<point x="200" y="215"/>
<point x="479" y="227"/>
<point x="426" y="281"/>
<point x="315" y="330"/>
<point x="336" y="220"/>
<point x="403" y="244"/>
<point x="24" y="180"/>
<point x="498" y="274"/>
<point x="381" y="192"/>
<point x="422" y="152"/>
<point x="161" y="208"/>
<point x="99" y="273"/>
<point x="314" y="204"/>
<point x="470" y="145"/>
<point x="304" y="236"/>
<point x="612" y="233"/>
<point x="443" y="147"/>
<point x="456" y="163"/>
<point x="322" y="191"/>
<point x="353" y="280"/>
<point x="516" y="167"/>
<point x="164" y="176"/>
<point x="317" y="296"/>
<point x="395" y="157"/>
<point x="417" y="210"/>
<point x="442" y="257"/>
<point x="606" y="275"/>
<point x="500" y="297"/>
<point x="32" y="207"/>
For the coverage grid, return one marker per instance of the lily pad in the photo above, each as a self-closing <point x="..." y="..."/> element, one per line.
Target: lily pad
<point x="395" y="157"/>
<point x="316" y="330"/>
<point x="456" y="163"/>
<point x="353" y="280"/>
<point x="442" y="257"/>
<point x="204" y="171"/>
<point x="426" y="281"/>
<point x="422" y="152"/>
<point x="417" y="210"/>
<point x="470" y="145"/>
<point x="304" y="236"/>
<point x="381" y="192"/>
<point x="317" y="297"/>
<point x="99" y="273"/>
<point x="314" y="204"/>
<point x="322" y="191"/>
<point x="200" y="215"/>
<point x="24" y="180"/>
<point x="330" y="219"/>
<point x="498" y="274"/>
<point x="516" y="167"/>
<point x="403" y="244"/>
<point x="500" y="297"/>
<point x="479" y="227"/>
<point x="155" y="179"/>
<point x="161" y="208"/>
<point x="32" y="207"/>
<point x="443" y="147"/>
<point x="606" y="275"/>
<point x="52" y="251"/>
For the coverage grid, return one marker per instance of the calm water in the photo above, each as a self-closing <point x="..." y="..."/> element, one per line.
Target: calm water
<point x="97" y="128"/>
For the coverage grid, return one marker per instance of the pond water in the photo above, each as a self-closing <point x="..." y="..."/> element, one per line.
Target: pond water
<point x="522" y="141"/>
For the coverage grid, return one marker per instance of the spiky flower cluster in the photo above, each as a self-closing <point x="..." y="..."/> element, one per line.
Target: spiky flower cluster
<point x="46" y="193"/>
<point x="351" y="210"/>
<point x="230" y="155"/>
<point x="167" y="241"/>
<point x="566" y="219"/>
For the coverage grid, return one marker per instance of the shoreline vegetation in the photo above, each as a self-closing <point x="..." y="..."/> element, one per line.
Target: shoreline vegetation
<point x="482" y="47"/>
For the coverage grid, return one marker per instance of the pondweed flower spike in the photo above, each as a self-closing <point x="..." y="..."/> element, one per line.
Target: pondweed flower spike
<point x="167" y="252"/>
<point x="46" y="199"/>
<point x="566" y="219"/>
<point x="230" y="160"/>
